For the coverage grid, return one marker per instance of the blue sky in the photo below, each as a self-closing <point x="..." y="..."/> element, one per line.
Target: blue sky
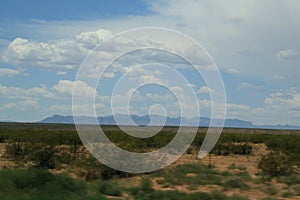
<point x="255" y="45"/>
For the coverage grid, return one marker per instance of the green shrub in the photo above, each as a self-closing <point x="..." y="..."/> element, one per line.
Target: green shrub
<point x="144" y="189"/>
<point x="109" y="173"/>
<point x="289" y="180"/>
<point x="34" y="184"/>
<point x="235" y="182"/>
<point x="44" y="156"/>
<point x="175" y="195"/>
<point x="297" y="190"/>
<point x="268" y="198"/>
<point x="287" y="194"/>
<point x="232" y="149"/>
<point x="271" y="190"/>
<point x="108" y="188"/>
<point x="16" y="150"/>
<point x="275" y="164"/>
<point x="146" y="186"/>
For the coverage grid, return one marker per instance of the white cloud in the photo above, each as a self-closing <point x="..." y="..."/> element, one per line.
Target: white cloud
<point x="206" y="90"/>
<point x="68" y="54"/>
<point x="63" y="54"/>
<point x="289" y="54"/>
<point x="22" y="93"/>
<point x="286" y="100"/>
<point x="249" y="87"/>
<point x="8" y="72"/>
<point x="65" y="87"/>
<point x="233" y="71"/>
<point x="61" y="73"/>
<point x="146" y="79"/>
<point x="109" y="75"/>
<point x="24" y="105"/>
<point x="61" y="109"/>
<point x="91" y="39"/>
<point x="281" y="107"/>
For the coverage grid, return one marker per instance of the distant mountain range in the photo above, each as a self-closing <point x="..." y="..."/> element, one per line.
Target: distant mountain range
<point x="156" y="120"/>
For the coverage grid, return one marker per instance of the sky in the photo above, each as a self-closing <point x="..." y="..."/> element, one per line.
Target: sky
<point x="254" y="44"/>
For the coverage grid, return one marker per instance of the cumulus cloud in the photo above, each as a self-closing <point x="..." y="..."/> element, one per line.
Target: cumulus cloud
<point x="280" y="107"/>
<point x="68" y="54"/>
<point x="90" y="39"/>
<point x="8" y="72"/>
<point x="65" y="87"/>
<point x="22" y="93"/>
<point x="233" y="71"/>
<point x="288" y="100"/>
<point x="60" y="54"/>
<point x="289" y="54"/>
<point x="248" y="87"/>
<point x="61" y="73"/>
<point x="206" y="90"/>
<point x="23" y="105"/>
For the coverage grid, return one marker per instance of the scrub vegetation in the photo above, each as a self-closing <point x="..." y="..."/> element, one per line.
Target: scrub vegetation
<point x="48" y="161"/>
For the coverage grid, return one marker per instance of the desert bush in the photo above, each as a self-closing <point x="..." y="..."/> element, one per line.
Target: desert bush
<point x="17" y="151"/>
<point x="143" y="190"/>
<point x="109" y="173"/>
<point x="202" y="175"/>
<point x="232" y="149"/>
<point x="292" y="179"/>
<point x="297" y="190"/>
<point x="108" y="188"/>
<point x="34" y="184"/>
<point x="271" y="190"/>
<point x="44" y="156"/>
<point x="268" y="198"/>
<point x="287" y="194"/>
<point x="146" y="186"/>
<point x="275" y="164"/>
<point x="235" y="182"/>
<point x="175" y="195"/>
<point x="41" y="155"/>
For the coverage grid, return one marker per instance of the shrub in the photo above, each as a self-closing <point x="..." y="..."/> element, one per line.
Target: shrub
<point x="108" y="188"/>
<point x="275" y="164"/>
<point x="287" y="194"/>
<point x="297" y="190"/>
<point x="271" y="190"/>
<point x="16" y="151"/>
<point x="146" y="186"/>
<point x="44" y="157"/>
<point x="235" y="182"/>
<point x="34" y="184"/>
<point x="232" y="149"/>
<point x="292" y="179"/>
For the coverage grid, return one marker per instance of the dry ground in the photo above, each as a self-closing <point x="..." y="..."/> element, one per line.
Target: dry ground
<point x="221" y="163"/>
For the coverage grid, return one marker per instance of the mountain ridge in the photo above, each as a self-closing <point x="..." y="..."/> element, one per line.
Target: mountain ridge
<point x="155" y="120"/>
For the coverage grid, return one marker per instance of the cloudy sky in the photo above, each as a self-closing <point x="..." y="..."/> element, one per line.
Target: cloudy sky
<point x="255" y="45"/>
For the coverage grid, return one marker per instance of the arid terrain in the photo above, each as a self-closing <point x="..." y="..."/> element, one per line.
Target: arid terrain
<point x="239" y="167"/>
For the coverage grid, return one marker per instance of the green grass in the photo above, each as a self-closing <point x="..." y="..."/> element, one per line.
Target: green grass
<point x="233" y="166"/>
<point x="108" y="188"/>
<point x="202" y="175"/>
<point x="175" y="195"/>
<point x="40" y="184"/>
